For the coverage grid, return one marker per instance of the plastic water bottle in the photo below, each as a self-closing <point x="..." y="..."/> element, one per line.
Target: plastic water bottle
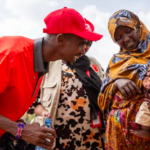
<point x="48" y="124"/>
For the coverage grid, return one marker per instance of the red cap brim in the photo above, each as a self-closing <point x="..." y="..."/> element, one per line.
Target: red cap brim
<point x="91" y="36"/>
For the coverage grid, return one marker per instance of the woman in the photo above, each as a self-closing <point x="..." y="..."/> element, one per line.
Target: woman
<point x="122" y="91"/>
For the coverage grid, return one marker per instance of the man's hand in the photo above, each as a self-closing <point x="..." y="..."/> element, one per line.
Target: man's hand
<point x="31" y="133"/>
<point x="37" y="135"/>
<point x="127" y="88"/>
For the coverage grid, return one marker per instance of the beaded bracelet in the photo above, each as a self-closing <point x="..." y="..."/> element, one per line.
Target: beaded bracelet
<point x="19" y="130"/>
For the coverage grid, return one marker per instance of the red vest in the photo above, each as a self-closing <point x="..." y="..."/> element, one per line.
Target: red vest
<point x="17" y="77"/>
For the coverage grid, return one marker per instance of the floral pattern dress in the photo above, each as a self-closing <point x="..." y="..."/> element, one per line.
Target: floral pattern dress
<point x="120" y="121"/>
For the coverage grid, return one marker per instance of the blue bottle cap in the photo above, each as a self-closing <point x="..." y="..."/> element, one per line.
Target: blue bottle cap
<point x="48" y="121"/>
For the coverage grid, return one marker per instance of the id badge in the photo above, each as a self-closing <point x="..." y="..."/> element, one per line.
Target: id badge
<point x="96" y="122"/>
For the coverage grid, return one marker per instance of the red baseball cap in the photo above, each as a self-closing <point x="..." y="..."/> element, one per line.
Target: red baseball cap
<point x="68" y="20"/>
<point x="89" y="26"/>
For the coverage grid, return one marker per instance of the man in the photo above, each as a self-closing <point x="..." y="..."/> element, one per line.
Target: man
<point x="69" y="96"/>
<point x="23" y="63"/>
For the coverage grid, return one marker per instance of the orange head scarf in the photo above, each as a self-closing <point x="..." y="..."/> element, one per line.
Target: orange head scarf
<point x="126" y="64"/>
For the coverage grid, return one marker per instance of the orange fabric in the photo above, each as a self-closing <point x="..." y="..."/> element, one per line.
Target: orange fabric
<point x="125" y="64"/>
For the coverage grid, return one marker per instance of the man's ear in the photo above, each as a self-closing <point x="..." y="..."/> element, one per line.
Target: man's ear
<point x="60" y="38"/>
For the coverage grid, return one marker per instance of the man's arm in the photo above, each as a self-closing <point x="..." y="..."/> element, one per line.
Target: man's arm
<point x="8" y="125"/>
<point x="32" y="133"/>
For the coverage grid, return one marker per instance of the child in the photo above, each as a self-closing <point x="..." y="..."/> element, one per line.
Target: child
<point x="143" y="115"/>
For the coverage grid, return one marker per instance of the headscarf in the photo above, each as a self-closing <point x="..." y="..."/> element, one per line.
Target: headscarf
<point x="126" y="64"/>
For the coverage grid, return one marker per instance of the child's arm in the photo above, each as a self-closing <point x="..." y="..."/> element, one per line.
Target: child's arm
<point x="40" y="111"/>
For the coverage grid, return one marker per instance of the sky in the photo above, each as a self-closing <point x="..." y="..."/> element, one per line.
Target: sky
<point x="25" y="18"/>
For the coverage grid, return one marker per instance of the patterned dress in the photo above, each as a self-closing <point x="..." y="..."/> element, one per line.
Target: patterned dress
<point x="73" y="123"/>
<point x="124" y="118"/>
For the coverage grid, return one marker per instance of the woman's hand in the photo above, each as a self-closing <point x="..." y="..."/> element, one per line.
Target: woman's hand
<point x="127" y="88"/>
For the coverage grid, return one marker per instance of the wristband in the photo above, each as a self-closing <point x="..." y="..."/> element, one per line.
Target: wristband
<point x="19" y="130"/>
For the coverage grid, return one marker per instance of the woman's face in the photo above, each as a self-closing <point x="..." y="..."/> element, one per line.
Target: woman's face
<point x="126" y="38"/>
<point x="88" y="45"/>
